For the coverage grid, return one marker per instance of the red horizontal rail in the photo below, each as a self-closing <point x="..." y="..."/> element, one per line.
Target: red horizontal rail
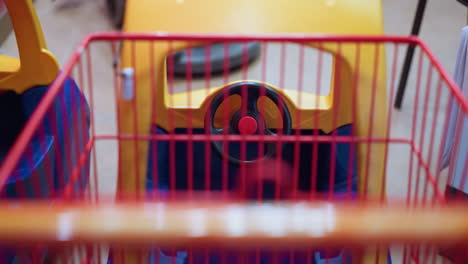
<point x="255" y="138"/>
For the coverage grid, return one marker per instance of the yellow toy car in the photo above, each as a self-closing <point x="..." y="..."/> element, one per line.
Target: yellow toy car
<point x="162" y="95"/>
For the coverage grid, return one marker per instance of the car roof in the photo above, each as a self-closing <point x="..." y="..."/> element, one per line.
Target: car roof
<point x="255" y="16"/>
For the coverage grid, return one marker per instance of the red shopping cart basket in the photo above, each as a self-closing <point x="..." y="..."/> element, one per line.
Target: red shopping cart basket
<point x="296" y="156"/>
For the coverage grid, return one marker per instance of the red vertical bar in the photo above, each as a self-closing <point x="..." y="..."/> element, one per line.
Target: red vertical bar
<point x="337" y="92"/>
<point x="279" y="132"/>
<point x="140" y="256"/>
<point x="35" y="181"/>
<point x="309" y="257"/>
<point x="190" y="255"/>
<point x="99" y="254"/>
<point x="35" y="255"/>
<point x="244" y="113"/>
<point x="413" y="127"/>
<point x="223" y="256"/>
<point x="427" y="250"/>
<point x="433" y="131"/>
<point x="207" y="131"/>
<point x="207" y="254"/>
<point x="261" y="145"/>
<point x="154" y="152"/>
<point x="173" y="259"/>
<point x="58" y="155"/>
<point x="117" y="88"/>
<point x="291" y="256"/>
<point x="67" y="147"/>
<point x="377" y="254"/>
<point x="74" y="142"/>
<point x="275" y="256"/>
<point x="371" y="117"/>
<point x="89" y="253"/>
<point x="49" y="171"/>
<point x="405" y="254"/>
<point x="390" y="116"/>
<point x="42" y="136"/>
<point x="189" y="121"/>
<point x="172" y="157"/>
<point x="135" y="120"/>
<point x="80" y="132"/>
<point x="82" y="252"/>
<point x="352" y="149"/>
<point x="300" y="83"/>
<point x="85" y="131"/>
<point x="433" y="255"/>
<point x="226" y="110"/>
<point x="423" y="130"/>
<point x="315" y="144"/>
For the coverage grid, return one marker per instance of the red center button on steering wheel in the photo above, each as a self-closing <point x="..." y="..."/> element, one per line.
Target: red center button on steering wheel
<point x="247" y="125"/>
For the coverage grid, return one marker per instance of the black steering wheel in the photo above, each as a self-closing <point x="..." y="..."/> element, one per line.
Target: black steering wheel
<point x="249" y="123"/>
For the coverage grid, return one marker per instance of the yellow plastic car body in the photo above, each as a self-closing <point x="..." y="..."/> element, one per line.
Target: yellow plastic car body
<point x="333" y="17"/>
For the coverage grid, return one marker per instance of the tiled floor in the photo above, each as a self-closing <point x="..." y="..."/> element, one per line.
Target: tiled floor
<point x="65" y="27"/>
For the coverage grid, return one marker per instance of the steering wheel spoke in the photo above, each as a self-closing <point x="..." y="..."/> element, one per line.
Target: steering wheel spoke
<point x="250" y="104"/>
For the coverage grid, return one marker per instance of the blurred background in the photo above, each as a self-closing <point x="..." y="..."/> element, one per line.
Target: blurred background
<point x="66" y="22"/>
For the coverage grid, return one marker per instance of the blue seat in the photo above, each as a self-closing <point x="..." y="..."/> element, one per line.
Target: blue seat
<point x="62" y="136"/>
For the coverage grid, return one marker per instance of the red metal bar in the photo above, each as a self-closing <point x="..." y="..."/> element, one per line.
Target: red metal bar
<point x="354" y="117"/>
<point x="261" y="144"/>
<point x="74" y="176"/>
<point x="315" y="146"/>
<point x="226" y="108"/>
<point x="383" y="188"/>
<point x="172" y="155"/>
<point x="154" y="152"/>
<point x="256" y="138"/>
<point x="134" y="102"/>
<point x="371" y="116"/>
<point x="432" y="135"/>
<point x="189" y="120"/>
<point x="92" y="122"/>
<point x="448" y="110"/>
<point x="207" y="132"/>
<point x="337" y="95"/>
<point x="243" y="154"/>
<point x="413" y="129"/>
<point x="429" y="177"/>
<point x="279" y="144"/>
<point x="423" y="128"/>
<point x="300" y="81"/>
<point x="117" y="89"/>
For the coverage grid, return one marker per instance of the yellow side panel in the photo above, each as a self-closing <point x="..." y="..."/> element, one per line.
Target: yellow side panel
<point x="8" y="65"/>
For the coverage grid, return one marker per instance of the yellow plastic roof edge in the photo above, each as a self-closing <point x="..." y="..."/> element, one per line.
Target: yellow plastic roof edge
<point x="38" y="66"/>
